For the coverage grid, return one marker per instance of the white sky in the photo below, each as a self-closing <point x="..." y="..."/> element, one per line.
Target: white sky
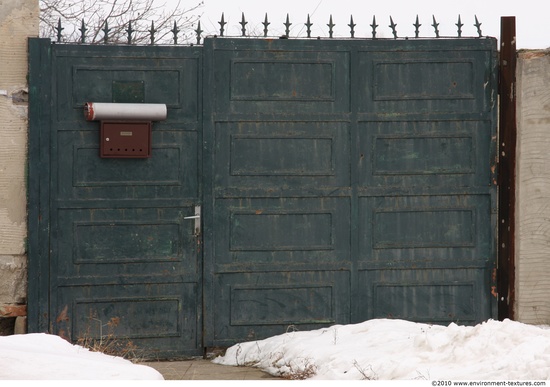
<point x="532" y="17"/>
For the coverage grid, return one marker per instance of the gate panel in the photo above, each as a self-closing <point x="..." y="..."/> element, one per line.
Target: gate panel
<point x="123" y="258"/>
<point x="360" y="169"/>
<point x="278" y="140"/>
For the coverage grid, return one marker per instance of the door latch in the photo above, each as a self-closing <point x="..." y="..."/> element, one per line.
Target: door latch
<point x="197" y="218"/>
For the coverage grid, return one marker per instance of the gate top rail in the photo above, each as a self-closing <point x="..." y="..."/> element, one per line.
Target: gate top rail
<point x="250" y="34"/>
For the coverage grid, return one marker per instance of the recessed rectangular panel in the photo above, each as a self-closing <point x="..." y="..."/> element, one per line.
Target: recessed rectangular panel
<point x="290" y="156"/>
<point x="423" y="228"/>
<point x="95" y="84"/>
<point x="253" y="304"/>
<point x="423" y="80"/>
<point x="278" y="80"/>
<point x="128" y="91"/>
<point x="282" y="230"/>
<point x="90" y="170"/>
<point x="270" y="231"/>
<point x="127" y="317"/>
<point x="277" y="154"/>
<point x="259" y="79"/>
<point x="115" y="243"/>
<point x="118" y="242"/>
<point x="425" y="153"/>
<point x="156" y="320"/>
<point x="264" y="305"/>
<point x="425" y="302"/>
<point x="422" y="155"/>
<point x="127" y="75"/>
<point x="173" y="173"/>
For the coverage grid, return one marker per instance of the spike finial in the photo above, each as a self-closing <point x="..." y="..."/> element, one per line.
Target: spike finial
<point x="222" y="24"/>
<point x="106" y="30"/>
<point x="198" y="31"/>
<point x="59" y="29"/>
<point x="243" y="24"/>
<point x="416" y="27"/>
<point x="83" y="30"/>
<point x="478" y="26"/>
<point x="330" y="27"/>
<point x="129" y="32"/>
<point x="392" y="26"/>
<point x="308" y="26"/>
<point x="459" y="25"/>
<point x="351" y="26"/>
<point x="152" y="33"/>
<point x="435" y="25"/>
<point x="373" y="26"/>
<point x="287" y="25"/>
<point x="175" y="31"/>
<point x="266" y="24"/>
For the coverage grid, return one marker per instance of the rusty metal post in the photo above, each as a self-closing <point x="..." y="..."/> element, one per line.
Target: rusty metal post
<point x="507" y="168"/>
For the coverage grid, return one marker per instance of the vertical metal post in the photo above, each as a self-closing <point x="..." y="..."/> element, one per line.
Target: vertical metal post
<point x="507" y="169"/>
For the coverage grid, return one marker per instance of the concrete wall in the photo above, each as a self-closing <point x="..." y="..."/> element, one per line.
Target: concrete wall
<point x="533" y="188"/>
<point x="18" y="21"/>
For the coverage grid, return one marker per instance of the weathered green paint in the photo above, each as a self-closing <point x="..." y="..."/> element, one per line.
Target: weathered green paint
<point x="347" y="180"/>
<point x="341" y="180"/>
<point x="122" y="259"/>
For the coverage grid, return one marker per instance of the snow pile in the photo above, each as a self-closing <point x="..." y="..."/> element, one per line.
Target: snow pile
<point x="42" y="356"/>
<point x="384" y="349"/>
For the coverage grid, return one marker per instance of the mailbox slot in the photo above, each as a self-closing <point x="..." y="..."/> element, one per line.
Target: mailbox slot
<point x="125" y="139"/>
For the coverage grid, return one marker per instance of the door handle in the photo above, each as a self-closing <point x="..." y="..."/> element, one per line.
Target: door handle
<point x="197" y="218"/>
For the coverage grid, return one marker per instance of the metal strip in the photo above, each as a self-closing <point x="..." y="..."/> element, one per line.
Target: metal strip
<point x="507" y="169"/>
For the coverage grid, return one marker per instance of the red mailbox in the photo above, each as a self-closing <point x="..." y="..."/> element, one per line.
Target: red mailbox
<point x="126" y="128"/>
<point x="125" y="139"/>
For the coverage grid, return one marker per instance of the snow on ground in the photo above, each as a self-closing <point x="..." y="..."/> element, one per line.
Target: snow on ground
<point x="382" y="349"/>
<point x="49" y="357"/>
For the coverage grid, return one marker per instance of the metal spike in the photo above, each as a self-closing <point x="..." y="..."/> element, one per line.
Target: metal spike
<point x="175" y="31"/>
<point x="416" y="27"/>
<point x="459" y="25"/>
<point x="198" y="31"/>
<point x="478" y="26"/>
<point x="59" y="29"/>
<point x="330" y="27"/>
<point x="152" y="33"/>
<point x="435" y="25"/>
<point x="106" y="30"/>
<point x="373" y="26"/>
<point x="243" y="24"/>
<point x="287" y="25"/>
<point x="266" y="24"/>
<point x="130" y="31"/>
<point x="308" y="26"/>
<point x="351" y="25"/>
<point x="392" y="26"/>
<point x="83" y="30"/>
<point x="222" y="24"/>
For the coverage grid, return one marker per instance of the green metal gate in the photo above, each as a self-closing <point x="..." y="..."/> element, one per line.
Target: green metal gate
<point x="113" y="253"/>
<point x="340" y="180"/>
<point x="347" y="180"/>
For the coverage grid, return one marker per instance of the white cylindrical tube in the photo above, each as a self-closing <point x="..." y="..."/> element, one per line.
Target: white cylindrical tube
<point x="95" y="111"/>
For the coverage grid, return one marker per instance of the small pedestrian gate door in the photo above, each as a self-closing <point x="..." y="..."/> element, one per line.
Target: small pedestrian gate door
<point x="338" y="181"/>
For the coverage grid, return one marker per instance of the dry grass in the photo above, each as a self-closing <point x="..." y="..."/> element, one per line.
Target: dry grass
<point x="109" y="344"/>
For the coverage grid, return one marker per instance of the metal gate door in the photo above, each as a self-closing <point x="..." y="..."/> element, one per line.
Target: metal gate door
<point x="342" y="180"/>
<point x="115" y="254"/>
<point x="347" y="180"/>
